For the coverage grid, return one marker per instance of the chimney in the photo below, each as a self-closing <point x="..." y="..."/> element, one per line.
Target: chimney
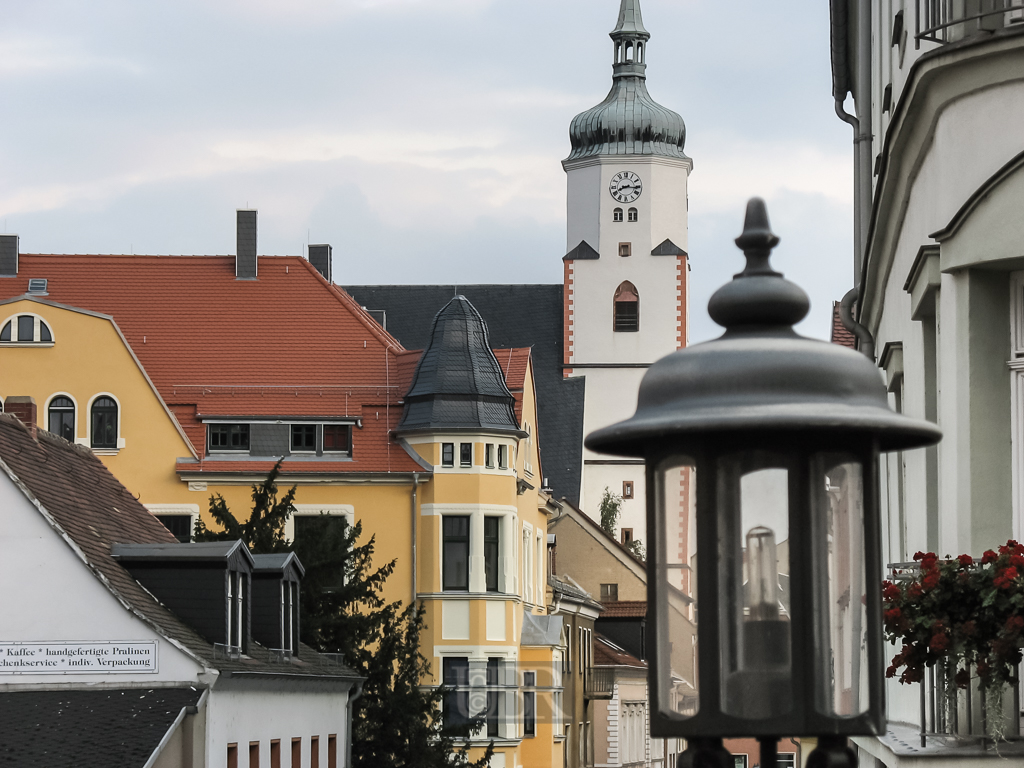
<point x="24" y="407"/>
<point x="8" y="255"/>
<point x="245" y="248"/>
<point x="320" y="258"/>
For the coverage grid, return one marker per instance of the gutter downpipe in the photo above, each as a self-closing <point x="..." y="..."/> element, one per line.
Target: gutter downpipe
<point x="862" y="175"/>
<point x="415" y="531"/>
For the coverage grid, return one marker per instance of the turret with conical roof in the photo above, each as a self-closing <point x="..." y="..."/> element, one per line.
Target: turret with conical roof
<point x="628" y="121"/>
<point x="458" y="385"/>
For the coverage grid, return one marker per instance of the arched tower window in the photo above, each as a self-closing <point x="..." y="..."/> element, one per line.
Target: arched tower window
<point x="627" y="308"/>
<point x="61" y="419"/>
<point x="104" y="423"/>
<point x="633" y="215"/>
<point x="629" y="53"/>
<point x="617" y="214"/>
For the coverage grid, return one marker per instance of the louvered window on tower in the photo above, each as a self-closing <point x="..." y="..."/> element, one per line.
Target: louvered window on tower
<point x="627" y="308"/>
<point x="617" y="214"/>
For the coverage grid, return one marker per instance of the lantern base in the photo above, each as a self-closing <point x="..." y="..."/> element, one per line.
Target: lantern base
<point x="832" y="752"/>
<point x="706" y="753"/>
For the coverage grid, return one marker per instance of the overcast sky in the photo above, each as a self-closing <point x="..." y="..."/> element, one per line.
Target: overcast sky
<point x="421" y="138"/>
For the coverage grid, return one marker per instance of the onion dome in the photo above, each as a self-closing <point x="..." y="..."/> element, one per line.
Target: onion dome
<point x="458" y="385"/>
<point x="628" y="121"/>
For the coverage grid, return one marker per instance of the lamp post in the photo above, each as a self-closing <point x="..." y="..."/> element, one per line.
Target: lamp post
<point x="769" y="441"/>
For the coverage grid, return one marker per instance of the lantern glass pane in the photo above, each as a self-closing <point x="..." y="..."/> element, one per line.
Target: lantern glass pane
<point x="754" y="604"/>
<point x="841" y="585"/>
<point x="676" y="562"/>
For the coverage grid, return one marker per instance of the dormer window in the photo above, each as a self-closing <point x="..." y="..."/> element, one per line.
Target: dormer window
<point x="26" y="329"/>
<point x="229" y="437"/>
<point x="236" y="610"/>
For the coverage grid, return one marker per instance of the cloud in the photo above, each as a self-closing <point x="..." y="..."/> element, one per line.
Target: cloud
<point x="34" y="56"/>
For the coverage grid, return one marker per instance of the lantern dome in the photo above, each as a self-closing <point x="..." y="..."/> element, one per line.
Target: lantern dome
<point x="760" y="375"/>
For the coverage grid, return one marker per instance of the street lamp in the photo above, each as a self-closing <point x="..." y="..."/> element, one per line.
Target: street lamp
<point x="769" y="442"/>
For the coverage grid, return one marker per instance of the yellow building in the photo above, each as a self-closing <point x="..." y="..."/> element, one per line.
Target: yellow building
<point x="192" y="376"/>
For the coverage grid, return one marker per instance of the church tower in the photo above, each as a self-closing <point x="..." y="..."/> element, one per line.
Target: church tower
<point x="626" y="267"/>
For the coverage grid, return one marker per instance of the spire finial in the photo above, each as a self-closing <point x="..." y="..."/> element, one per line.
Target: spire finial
<point x="630" y="20"/>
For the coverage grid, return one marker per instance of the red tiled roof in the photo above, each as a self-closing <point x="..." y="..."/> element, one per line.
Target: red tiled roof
<point x="840" y="335"/>
<point x="288" y="343"/>
<point x="624" y="609"/>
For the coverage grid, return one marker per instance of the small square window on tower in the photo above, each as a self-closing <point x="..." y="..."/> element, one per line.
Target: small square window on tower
<point x="625" y="249"/>
<point x="627" y="489"/>
<point x="466" y="454"/>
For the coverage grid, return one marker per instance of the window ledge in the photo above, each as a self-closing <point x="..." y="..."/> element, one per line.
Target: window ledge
<point x="25" y="344"/>
<point x="106" y="451"/>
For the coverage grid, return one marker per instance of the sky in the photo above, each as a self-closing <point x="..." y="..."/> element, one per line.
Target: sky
<point x="421" y="138"/>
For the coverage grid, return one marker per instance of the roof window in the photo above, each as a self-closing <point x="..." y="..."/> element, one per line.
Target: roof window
<point x="37" y="285"/>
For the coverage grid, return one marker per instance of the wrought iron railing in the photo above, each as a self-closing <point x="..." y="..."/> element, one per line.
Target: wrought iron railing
<point x="599" y="683"/>
<point x="946" y="21"/>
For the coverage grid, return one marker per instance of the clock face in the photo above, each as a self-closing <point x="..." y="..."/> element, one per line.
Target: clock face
<point x="625" y="186"/>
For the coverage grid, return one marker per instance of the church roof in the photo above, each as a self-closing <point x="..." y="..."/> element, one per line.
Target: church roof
<point x="628" y="121"/>
<point x="459" y="384"/>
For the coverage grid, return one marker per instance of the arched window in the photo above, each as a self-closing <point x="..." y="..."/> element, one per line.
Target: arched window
<point x="617" y="214"/>
<point x="25" y="329"/>
<point x="62" y="418"/>
<point x="629" y="53"/>
<point x="633" y="215"/>
<point x="627" y="308"/>
<point x="104" y="423"/>
<point x="640" y="53"/>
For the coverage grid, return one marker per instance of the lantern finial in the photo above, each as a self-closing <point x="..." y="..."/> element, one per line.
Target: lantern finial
<point x="758" y="295"/>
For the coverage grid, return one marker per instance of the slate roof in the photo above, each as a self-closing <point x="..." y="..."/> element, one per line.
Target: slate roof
<point x="516" y="316"/>
<point x="458" y="384"/>
<point x="203" y="338"/>
<point x="85" y="503"/>
<point x="87" y="729"/>
<point x="560" y="587"/>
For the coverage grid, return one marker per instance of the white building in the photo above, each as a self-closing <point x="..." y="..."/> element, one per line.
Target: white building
<point x="625" y="287"/>
<point x="939" y="92"/>
<point x="120" y="646"/>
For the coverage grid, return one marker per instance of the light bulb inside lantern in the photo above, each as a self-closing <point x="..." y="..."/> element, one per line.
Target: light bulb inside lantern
<point x="763" y="577"/>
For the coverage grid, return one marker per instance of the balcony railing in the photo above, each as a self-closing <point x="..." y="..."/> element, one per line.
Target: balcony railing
<point x="946" y="21"/>
<point x="599" y="683"/>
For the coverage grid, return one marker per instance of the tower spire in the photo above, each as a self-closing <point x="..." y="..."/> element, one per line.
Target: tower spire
<point x="630" y="38"/>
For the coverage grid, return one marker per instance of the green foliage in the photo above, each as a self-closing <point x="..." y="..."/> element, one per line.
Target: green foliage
<point x="611" y="508"/>
<point x="636" y="549"/>
<point x="395" y="721"/>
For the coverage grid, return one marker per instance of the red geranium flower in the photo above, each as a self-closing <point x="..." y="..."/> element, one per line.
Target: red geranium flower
<point x="939" y="642"/>
<point x="966" y="560"/>
<point x="988" y="557"/>
<point x="931" y="579"/>
<point x="915" y="590"/>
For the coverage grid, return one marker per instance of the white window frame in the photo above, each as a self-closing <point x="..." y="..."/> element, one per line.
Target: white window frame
<point x="313" y="510"/>
<point x="36" y="332"/>
<point x="1016" y="366"/>
<point x="87" y="440"/>
<point x="191" y="510"/>
<point x="46" y="410"/>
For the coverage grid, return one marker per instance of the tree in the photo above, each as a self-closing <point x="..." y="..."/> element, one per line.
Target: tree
<point x="395" y="721"/>
<point x="611" y="507"/>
